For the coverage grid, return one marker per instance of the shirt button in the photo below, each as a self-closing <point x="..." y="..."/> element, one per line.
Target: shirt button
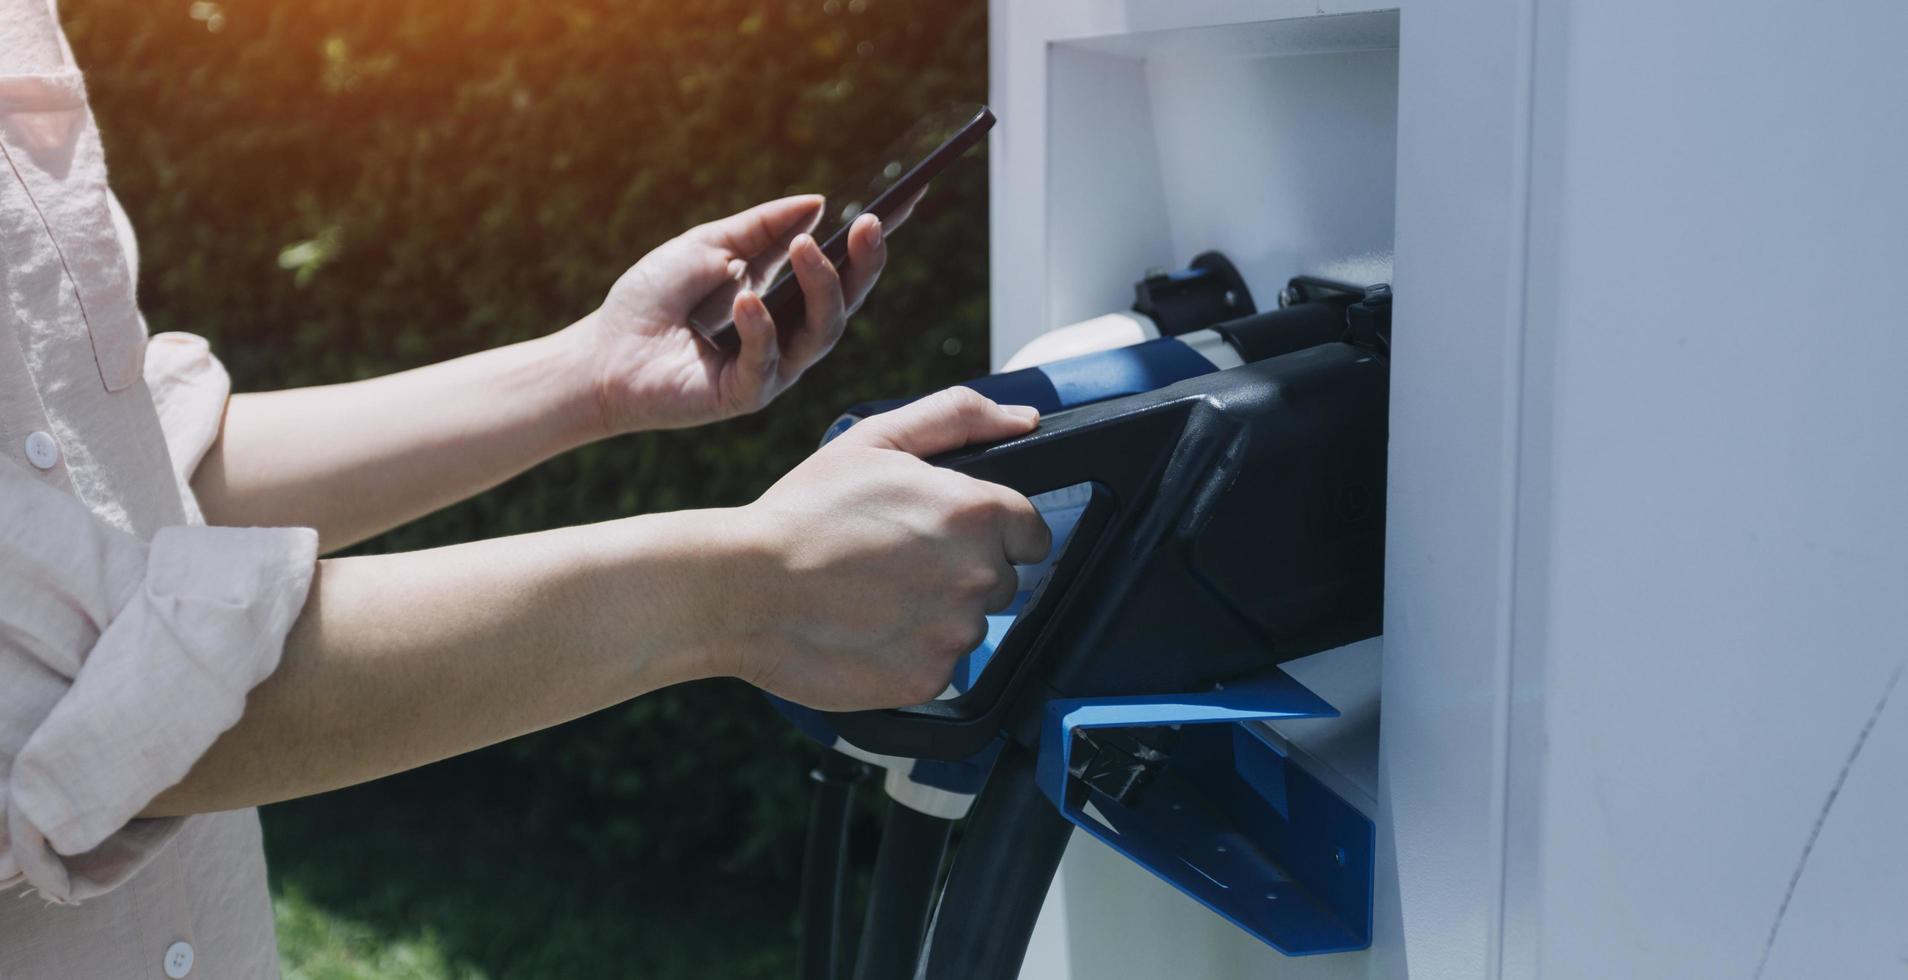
<point x="42" y="451"/>
<point x="178" y="959"/>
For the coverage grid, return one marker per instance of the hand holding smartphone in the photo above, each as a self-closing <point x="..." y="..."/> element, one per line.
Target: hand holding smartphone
<point x="903" y="173"/>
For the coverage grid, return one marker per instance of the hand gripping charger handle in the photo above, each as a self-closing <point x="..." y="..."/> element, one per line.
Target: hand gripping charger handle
<point x="1236" y="522"/>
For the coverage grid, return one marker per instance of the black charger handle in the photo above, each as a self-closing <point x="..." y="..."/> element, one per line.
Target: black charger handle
<point x="1119" y="447"/>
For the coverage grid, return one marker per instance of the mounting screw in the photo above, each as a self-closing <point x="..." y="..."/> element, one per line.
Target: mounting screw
<point x="1338" y="855"/>
<point x="1289" y="296"/>
<point x="1232" y="299"/>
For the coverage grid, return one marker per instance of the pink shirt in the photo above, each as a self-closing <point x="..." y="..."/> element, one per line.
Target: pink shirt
<point x="130" y="633"/>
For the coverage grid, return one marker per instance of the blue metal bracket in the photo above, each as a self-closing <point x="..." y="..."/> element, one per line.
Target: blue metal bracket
<point x="1222" y="815"/>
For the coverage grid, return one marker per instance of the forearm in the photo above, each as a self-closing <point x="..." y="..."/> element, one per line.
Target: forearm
<point x="352" y="460"/>
<point x="400" y="660"/>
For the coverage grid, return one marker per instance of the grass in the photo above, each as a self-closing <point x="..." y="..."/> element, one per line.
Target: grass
<point x="315" y="943"/>
<point x="406" y="880"/>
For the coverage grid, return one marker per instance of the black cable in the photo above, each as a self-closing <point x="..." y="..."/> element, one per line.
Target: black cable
<point x="1001" y="872"/>
<point x="902" y="895"/>
<point x="823" y="860"/>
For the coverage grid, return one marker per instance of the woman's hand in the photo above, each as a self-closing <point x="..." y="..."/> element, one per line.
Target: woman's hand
<point x="881" y="567"/>
<point x="646" y="366"/>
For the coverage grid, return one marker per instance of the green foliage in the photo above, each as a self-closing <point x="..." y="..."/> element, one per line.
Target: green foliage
<point x="441" y="886"/>
<point x="319" y="944"/>
<point x="336" y="189"/>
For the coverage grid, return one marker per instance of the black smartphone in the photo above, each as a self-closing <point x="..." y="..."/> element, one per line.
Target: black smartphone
<point x="902" y="173"/>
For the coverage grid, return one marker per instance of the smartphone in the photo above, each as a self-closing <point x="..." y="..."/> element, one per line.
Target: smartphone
<point x="903" y="171"/>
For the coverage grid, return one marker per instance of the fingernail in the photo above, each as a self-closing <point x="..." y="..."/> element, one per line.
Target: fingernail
<point x="1027" y="412"/>
<point x="881" y="234"/>
<point x="737" y="268"/>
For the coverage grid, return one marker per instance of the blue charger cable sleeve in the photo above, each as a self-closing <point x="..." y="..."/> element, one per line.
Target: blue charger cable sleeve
<point x="1072" y="382"/>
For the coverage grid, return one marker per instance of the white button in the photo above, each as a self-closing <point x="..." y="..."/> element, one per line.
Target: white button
<point x="178" y="959"/>
<point x="42" y="451"/>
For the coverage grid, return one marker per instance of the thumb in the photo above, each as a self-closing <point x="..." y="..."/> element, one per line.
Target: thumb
<point x="718" y="283"/>
<point x="943" y="421"/>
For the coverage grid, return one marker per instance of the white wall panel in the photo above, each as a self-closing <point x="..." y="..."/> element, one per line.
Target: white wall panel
<point x="1722" y="593"/>
<point x="1647" y="570"/>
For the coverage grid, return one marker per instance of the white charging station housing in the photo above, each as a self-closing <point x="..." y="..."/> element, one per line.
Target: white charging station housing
<point x="1636" y="711"/>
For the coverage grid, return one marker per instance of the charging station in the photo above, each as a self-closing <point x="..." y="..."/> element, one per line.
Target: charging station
<point x="1635" y="709"/>
<point x="1132" y="136"/>
<point x="1472" y="436"/>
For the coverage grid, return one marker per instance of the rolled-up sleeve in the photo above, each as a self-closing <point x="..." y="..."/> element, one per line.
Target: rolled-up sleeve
<point x="189" y="389"/>
<point x="120" y="662"/>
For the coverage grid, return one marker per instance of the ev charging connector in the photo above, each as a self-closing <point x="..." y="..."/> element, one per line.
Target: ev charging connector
<point x="1233" y="521"/>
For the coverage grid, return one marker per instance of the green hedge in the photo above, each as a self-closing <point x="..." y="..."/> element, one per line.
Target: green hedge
<point x="336" y="189"/>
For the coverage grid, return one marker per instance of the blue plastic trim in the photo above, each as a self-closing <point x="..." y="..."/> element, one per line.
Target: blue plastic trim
<point x="1146" y="366"/>
<point x="966" y="776"/>
<point x="1069" y="383"/>
<point x="1229" y="820"/>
